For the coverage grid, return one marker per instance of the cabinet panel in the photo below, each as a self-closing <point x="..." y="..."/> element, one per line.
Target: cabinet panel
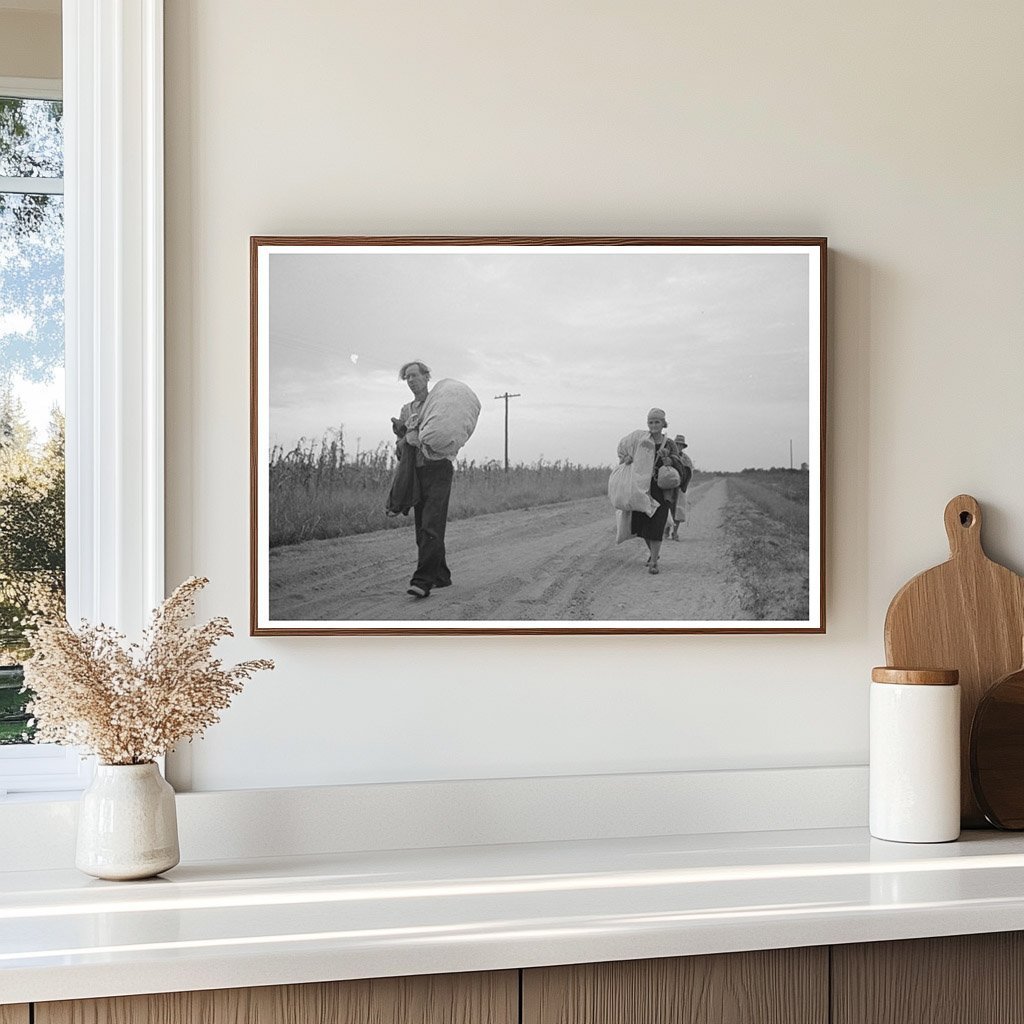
<point x="14" y="1014"/>
<point x="963" y="979"/>
<point x="481" y="998"/>
<point x="778" y="986"/>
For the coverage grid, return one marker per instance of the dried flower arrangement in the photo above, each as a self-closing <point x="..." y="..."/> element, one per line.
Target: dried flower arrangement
<point x="129" y="704"/>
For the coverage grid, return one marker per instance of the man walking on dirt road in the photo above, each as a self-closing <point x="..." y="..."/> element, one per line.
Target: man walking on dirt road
<point x="434" y="488"/>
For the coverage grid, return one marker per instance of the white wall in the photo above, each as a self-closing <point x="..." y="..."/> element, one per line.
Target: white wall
<point x="894" y="129"/>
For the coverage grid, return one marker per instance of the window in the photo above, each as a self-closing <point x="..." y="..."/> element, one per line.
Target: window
<point x="31" y="381"/>
<point x="32" y="559"/>
<point x="113" y="335"/>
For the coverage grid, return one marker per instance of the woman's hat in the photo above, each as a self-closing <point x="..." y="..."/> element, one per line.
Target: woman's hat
<point x="680" y="439"/>
<point x="660" y="413"/>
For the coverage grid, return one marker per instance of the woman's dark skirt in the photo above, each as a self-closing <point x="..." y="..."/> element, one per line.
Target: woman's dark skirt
<point x="651" y="527"/>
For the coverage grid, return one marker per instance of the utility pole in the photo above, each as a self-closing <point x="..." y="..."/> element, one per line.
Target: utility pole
<point x="506" y="397"/>
<point x="791" y="453"/>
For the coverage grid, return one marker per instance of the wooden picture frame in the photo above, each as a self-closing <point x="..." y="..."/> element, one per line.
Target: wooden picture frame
<point x="567" y="343"/>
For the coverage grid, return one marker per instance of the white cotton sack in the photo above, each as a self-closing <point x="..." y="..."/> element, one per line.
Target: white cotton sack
<point x="628" y="488"/>
<point x="448" y="419"/>
<point x="623" y="526"/>
<point x="668" y="478"/>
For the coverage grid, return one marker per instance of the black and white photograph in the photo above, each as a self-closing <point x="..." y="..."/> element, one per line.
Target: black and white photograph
<point x="558" y="435"/>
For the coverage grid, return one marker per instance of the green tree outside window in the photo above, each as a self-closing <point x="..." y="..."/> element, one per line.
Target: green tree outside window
<point x="31" y="352"/>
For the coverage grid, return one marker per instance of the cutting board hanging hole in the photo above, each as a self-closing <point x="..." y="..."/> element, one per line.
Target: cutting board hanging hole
<point x="963" y="526"/>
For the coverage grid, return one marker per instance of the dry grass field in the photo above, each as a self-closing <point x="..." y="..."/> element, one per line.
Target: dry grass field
<point x="767" y="523"/>
<point x="317" y="492"/>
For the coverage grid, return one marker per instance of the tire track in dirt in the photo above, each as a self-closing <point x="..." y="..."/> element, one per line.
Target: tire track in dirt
<point x="554" y="562"/>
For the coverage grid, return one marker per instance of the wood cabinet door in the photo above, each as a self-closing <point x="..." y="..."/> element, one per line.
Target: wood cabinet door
<point x="777" y="986"/>
<point x="962" y="979"/>
<point x="481" y="998"/>
<point x="14" y="1014"/>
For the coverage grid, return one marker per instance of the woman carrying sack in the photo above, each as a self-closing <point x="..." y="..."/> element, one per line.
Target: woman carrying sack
<point x="666" y="478"/>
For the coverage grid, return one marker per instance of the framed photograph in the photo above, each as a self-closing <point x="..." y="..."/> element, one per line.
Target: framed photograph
<point x="537" y="435"/>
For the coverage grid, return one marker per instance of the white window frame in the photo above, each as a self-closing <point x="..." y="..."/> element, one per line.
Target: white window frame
<point x="114" y="327"/>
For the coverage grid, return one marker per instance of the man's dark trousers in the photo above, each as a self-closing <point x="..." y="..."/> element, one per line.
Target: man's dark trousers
<point x="431" y="512"/>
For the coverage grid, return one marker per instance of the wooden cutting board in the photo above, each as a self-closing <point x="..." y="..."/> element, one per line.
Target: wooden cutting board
<point x="997" y="752"/>
<point x="967" y="614"/>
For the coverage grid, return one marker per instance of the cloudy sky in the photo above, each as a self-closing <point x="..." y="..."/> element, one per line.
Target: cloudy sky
<point x="591" y="340"/>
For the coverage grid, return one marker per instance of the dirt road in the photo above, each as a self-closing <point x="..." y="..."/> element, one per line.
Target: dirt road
<point x="554" y="562"/>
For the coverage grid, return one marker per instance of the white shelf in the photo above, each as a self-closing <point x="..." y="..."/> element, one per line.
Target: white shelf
<point x="223" y="924"/>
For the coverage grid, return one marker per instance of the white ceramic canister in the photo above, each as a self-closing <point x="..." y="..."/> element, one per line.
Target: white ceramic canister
<point x="915" y="755"/>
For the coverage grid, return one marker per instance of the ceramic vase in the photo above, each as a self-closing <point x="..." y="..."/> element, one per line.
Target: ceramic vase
<point x="127" y="825"/>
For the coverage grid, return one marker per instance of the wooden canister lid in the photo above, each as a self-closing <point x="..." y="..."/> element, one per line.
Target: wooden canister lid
<point x="916" y="676"/>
